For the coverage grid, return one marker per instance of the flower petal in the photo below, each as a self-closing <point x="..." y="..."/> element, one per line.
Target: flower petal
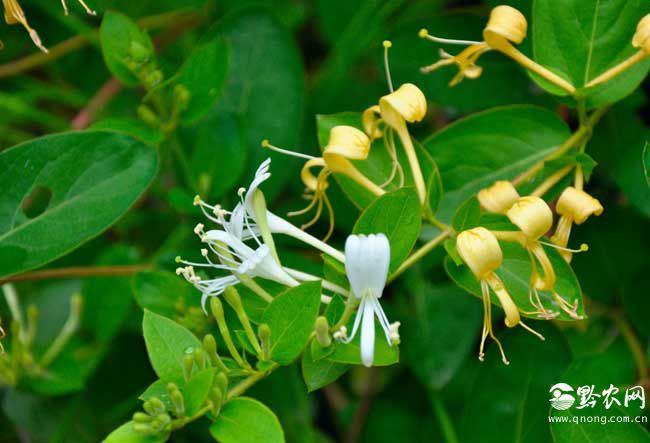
<point x="368" y="333"/>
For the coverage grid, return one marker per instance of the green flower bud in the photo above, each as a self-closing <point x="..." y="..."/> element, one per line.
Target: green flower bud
<point x="216" y="396"/>
<point x="199" y="358"/>
<point x="153" y="79"/>
<point x="322" y="332"/>
<point x="264" y="333"/>
<point x="188" y="365"/>
<point x="154" y="406"/>
<point x="148" y="116"/>
<point x="141" y="417"/>
<point x="143" y="428"/>
<point x="181" y="97"/>
<point x="221" y="382"/>
<point x="139" y="53"/>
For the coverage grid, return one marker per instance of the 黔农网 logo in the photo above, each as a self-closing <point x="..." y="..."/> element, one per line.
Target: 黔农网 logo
<point x="561" y="398"/>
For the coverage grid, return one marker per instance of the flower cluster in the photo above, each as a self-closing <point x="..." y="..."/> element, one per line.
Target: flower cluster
<point x="242" y="248"/>
<point x="531" y="215"/>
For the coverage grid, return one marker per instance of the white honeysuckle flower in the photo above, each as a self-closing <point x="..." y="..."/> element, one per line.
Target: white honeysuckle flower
<point x="367" y="259"/>
<point x="236" y="257"/>
<point x="242" y="221"/>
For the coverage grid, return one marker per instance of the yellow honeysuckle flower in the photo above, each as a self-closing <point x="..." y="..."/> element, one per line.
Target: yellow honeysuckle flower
<point x="573" y="206"/>
<point x="499" y="197"/>
<point x="505" y="26"/>
<point x="534" y="218"/>
<point x="346" y="143"/>
<point x="481" y="252"/>
<point x="370" y="119"/>
<point x="406" y="104"/>
<point x="14" y="14"/>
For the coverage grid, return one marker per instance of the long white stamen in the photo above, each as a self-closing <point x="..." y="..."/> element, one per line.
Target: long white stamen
<point x="448" y="41"/>
<point x="383" y="320"/>
<point x="583" y="247"/>
<point x="357" y="321"/>
<point x="266" y="144"/>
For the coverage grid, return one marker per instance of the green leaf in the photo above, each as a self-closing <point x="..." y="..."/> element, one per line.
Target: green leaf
<point x="126" y="434"/>
<point x="350" y="353"/>
<point x="515" y="273"/>
<point x="219" y="141"/>
<point x="509" y="403"/>
<point x="319" y="373"/>
<point x="397" y="215"/>
<point x="474" y="152"/>
<point x="159" y="291"/>
<point x="646" y="163"/>
<point x="245" y="420"/>
<point x="436" y="349"/>
<point x="468" y="215"/>
<point x="124" y="44"/>
<point x="133" y="127"/>
<point x="72" y="187"/>
<point x="167" y="342"/>
<point x="197" y="389"/>
<point x="204" y="74"/>
<point x="291" y="317"/>
<point x="266" y="89"/>
<point x="581" y="39"/>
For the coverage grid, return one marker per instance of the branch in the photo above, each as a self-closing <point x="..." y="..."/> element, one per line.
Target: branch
<point x="78" y="271"/>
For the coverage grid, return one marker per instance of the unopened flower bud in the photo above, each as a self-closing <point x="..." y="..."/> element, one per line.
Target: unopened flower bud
<point x="141" y="417"/>
<point x="153" y="79"/>
<point x="322" y="332"/>
<point x="188" y="365"/>
<point x="499" y="197"/>
<point x="216" y="396"/>
<point x="532" y="216"/>
<point x="139" y="53"/>
<point x="641" y="38"/>
<point x="577" y="205"/>
<point x="406" y="103"/>
<point x="181" y="96"/>
<point x="148" y="116"/>
<point x="143" y="428"/>
<point x="264" y="332"/>
<point x="154" y="406"/>
<point x="480" y="251"/>
<point x="505" y="23"/>
<point x="221" y="382"/>
<point x="199" y="358"/>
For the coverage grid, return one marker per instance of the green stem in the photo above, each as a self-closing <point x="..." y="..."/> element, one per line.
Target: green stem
<point x="442" y="415"/>
<point x="248" y="382"/>
<point x="417" y="255"/>
<point x="68" y="330"/>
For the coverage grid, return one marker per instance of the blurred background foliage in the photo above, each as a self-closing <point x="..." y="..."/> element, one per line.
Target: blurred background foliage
<point x="289" y="61"/>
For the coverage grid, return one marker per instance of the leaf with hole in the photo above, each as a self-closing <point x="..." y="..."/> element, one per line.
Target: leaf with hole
<point x="92" y="178"/>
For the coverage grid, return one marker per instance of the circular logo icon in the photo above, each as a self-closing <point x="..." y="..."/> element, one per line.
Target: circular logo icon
<point x="561" y="399"/>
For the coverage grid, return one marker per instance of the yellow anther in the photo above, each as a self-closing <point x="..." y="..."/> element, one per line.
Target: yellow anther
<point x="387" y="44"/>
<point x="197" y="200"/>
<point x="499" y="197"/>
<point x="423" y="33"/>
<point x="178" y="259"/>
<point x="532" y="216"/>
<point x="265" y="143"/>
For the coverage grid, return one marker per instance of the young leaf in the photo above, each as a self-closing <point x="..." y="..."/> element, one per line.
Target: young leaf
<point x="126" y="434"/>
<point x="291" y="317"/>
<point x="204" y="74"/>
<point x="397" y="215"/>
<point x="515" y="273"/>
<point x="71" y="187"/>
<point x="319" y="373"/>
<point x="123" y="43"/>
<point x="197" y="389"/>
<point x="474" y="152"/>
<point x="245" y="420"/>
<point x="167" y="342"/>
<point x="581" y="39"/>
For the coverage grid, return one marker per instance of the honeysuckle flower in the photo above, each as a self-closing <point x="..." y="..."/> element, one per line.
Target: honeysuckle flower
<point x="573" y="206"/>
<point x="345" y="143"/>
<point x="245" y="221"/>
<point x="641" y="38"/>
<point x="14" y="14"/>
<point x="480" y="250"/>
<point x="534" y="219"/>
<point x="499" y="197"/>
<point x="405" y="105"/>
<point x="367" y="258"/>
<point x="371" y="119"/>
<point x="505" y="26"/>
<point x="236" y="258"/>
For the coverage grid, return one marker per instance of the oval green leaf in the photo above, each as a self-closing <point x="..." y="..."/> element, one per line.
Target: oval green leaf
<point x="245" y="420"/>
<point x="167" y="342"/>
<point x="60" y="191"/>
<point x="291" y="317"/>
<point x="497" y="144"/>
